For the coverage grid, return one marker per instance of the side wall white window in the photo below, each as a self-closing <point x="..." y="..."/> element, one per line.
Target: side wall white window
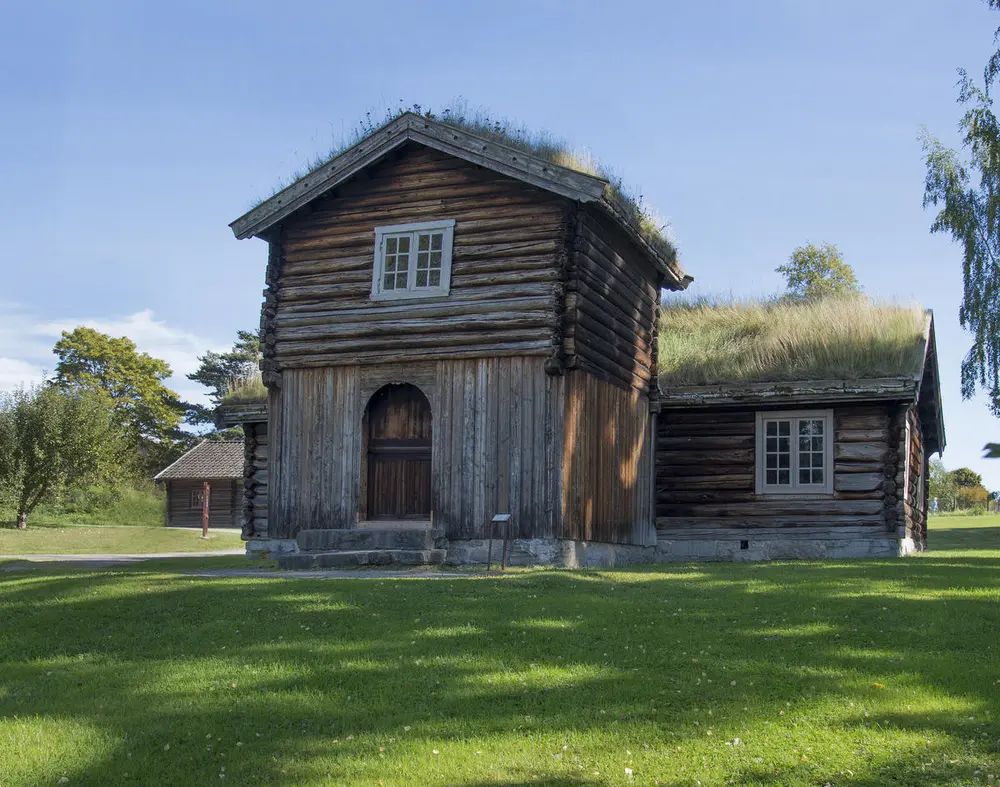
<point x="413" y="260"/>
<point x="795" y="452"/>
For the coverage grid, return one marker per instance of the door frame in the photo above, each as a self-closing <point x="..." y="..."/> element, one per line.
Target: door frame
<point x="364" y="515"/>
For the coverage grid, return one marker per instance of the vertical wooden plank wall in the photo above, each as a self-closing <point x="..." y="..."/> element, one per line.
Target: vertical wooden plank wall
<point x="314" y="422"/>
<point x="496" y="439"/>
<point x="497" y="446"/>
<point x="606" y="463"/>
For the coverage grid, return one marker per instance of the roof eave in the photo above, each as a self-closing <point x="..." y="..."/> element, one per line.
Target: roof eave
<point x="789" y="392"/>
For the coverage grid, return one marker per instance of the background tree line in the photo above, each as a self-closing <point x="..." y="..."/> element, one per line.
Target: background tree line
<point x="105" y="419"/>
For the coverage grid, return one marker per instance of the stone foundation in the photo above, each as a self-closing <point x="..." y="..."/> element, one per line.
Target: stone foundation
<point x="271" y="547"/>
<point x="590" y="554"/>
<point x="565" y="553"/>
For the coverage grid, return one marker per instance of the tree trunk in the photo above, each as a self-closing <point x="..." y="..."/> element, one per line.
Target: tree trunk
<point x="22" y="520"/>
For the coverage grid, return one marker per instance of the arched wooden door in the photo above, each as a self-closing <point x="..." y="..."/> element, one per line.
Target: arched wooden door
<point x="399" y="454"/>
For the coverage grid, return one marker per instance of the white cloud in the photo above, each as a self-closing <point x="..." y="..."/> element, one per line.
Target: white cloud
<point x="15" y="372"/>
<point x="26" y="345"/>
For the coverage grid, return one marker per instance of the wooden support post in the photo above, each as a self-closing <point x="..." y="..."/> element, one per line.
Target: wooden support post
<point x="205" y="490"/>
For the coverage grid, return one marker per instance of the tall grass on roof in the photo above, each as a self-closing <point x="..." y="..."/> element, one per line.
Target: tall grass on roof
<point x="245" y="390"/>
<point x="706" y="342"/>
<point x="540" y="144"/>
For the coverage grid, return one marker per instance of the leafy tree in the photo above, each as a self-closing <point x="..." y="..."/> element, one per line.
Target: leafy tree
<point x="966" y="477"/>
<point x="217" y="370"/>
<point x="971" y="497"/>
<point x="51" y="439"/>
<point x="815" y="272"/>
<point x="147" y="412"/>
<point x="992" y="450"/>
<point x="969" y="212"/>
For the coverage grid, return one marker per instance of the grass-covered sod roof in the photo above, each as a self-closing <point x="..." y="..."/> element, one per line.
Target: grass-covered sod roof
<point x="536" y="143"/>
<point x="707" y="342"/>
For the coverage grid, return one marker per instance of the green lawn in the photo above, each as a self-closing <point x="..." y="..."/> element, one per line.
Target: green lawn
<point x="847" y="673"/>
<point x="55" y="540"/>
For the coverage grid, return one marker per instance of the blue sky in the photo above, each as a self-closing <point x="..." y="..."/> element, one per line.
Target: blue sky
<point x="132" y="134"/>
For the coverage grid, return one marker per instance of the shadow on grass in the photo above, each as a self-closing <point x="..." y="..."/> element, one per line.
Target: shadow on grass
<point x="298" y="682"/>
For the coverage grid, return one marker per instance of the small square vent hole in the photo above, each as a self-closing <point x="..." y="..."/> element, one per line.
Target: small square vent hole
<point x="744" y="545"/>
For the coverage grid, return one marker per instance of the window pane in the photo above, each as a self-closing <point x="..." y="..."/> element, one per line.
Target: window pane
<point x="390" y="245"/>
<point x="404" y="244"/>
<point x="771" y="444"/>
<point x="437" y="240"/>
<point x="784" y="477"/>
<point x="771" y="477"/>
<point x="435" y="259"/>
<point x="811" y="454"/>
<point x="784" y="428"/>
<point x="400" y="281"/>
<point x="784" y="460"/>
<point x="389" y="282"/>
<point x="771" y="460"/>
<point x="423" y="242"/>
<point x="422" y="260"/>
<point x="784" y="445"/>
<point x="435" y="278"/>
<point x="771" y="428"/>
<point x="421" y="277"/>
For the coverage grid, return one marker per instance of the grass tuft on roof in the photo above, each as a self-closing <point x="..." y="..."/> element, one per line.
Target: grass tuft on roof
<point x="708" y="341"/>
<point x="245" y="390"/>
<point x="647" y="222"/>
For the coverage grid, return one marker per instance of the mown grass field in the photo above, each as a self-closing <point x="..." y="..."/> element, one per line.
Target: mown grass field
<point x="83" y="540"/>
<point x="847" y="673"/>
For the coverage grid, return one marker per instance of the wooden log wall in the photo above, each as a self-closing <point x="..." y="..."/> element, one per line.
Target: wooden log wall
<point x="911" y="507"/>
<point x="253" y="514"/>
<point x="611" y="305"/>
<point x="223" y="503"/>
<point x="607" y="474"/>
<point x="505" y="282"/>
<point x="705" y="481"/>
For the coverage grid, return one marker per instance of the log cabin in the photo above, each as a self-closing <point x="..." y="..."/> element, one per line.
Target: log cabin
<point x="217" y="463"/>
<point x="456" y="328"/>
<point x="788" y="461"/>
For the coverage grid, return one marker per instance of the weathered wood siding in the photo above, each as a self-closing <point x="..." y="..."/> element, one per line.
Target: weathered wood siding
<point x="510" y="241"/>
<point x="705" y="479"/>
<point x="223" y="503"/>
<point x="612" y="305"/>
<point x="496" y="446"/>
<point x="254" y="508"/>
<point x="607" y="474"/>
<point x="911" y="475"/>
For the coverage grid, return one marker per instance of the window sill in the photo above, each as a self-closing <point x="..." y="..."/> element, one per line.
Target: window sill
<point x="407" y="295"/>
<point x="793" y="496"/>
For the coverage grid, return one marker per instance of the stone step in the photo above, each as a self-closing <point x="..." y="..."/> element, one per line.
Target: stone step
<point x="361" y="557"/>
<point x="366" y="538"/>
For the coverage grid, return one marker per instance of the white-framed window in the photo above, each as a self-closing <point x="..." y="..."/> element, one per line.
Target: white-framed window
<point x="795" y="452"/>
<point x="413" y="260"/>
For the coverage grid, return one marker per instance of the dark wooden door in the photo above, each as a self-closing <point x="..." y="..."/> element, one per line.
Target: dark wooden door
<point x="399" y="454"/>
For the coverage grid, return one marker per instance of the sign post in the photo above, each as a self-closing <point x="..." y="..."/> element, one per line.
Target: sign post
<point x="503" y="519"/>
<point x="205" y="490"/>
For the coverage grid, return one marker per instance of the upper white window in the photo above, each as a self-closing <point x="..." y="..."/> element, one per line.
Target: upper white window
<point x="412" y="260"/>
<point x="795" y="452"/>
